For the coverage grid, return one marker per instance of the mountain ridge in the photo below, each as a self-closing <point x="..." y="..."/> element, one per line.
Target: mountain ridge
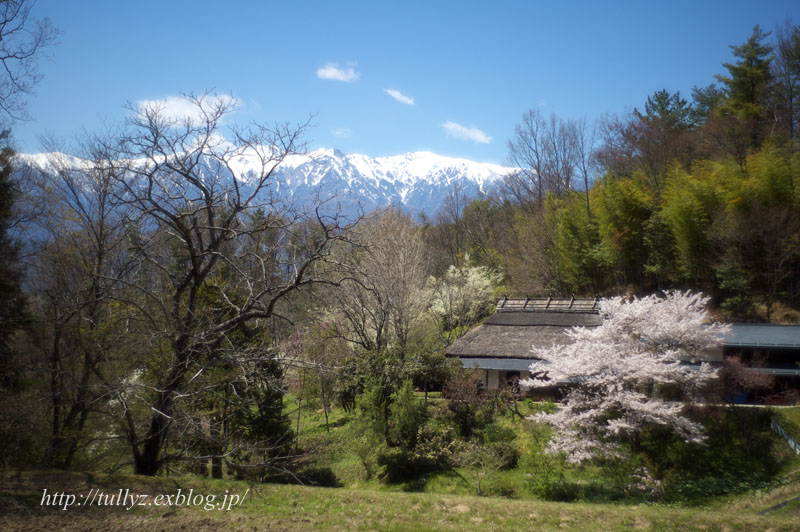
<point x="415" y="181"/>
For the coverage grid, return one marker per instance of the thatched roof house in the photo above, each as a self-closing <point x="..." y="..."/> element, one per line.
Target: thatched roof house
<point x="502" y="345"/>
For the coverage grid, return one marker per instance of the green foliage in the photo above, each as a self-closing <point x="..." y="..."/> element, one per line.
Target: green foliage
<point x="789" y="419"/>
<point x="739" y="454"/>
<point x="406" y="415"/>
<point x="670" y="110"/>
<point x="259" y="412"/>
<point x="348" y="384"/>
<point x="706" y="102"/>
<point x="623" y="209"/>
<point x="579" y="256"/>
<point x="12" y="300"/>
<point x="546" y="477"/>
<point x="748" y="77"/>
<point x="736" y="299"/>
<point x="690" y="203"/>
<point x="429" y="367"/>
<point x="438" y="447"/>
<point x="386" y="370"/>
<point x="372" y="407"/>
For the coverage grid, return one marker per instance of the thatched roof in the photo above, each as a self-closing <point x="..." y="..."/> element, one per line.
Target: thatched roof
<point x="519" y="325"/>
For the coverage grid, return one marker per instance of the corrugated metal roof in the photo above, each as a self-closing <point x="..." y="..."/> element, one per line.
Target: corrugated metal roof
<point x="763" y="335"/>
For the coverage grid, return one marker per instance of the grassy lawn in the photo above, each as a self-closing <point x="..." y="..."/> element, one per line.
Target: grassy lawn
<point x="445" y="500"/>
<point x="283" y="507"/>
<point x="789" y="418"/>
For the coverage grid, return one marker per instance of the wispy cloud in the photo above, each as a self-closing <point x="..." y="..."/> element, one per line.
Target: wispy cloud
<point x="341" y="132"/>
<point x="456" y="130"/>
<point x="399" y="96"/>
<point x="183" y="107"/>
<point x="332" y="72"/>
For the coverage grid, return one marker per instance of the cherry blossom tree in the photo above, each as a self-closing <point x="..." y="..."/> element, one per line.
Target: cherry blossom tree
<point x="620" y="374"/>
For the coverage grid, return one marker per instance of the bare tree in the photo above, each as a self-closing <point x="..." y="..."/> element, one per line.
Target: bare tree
<point x="585" y="139"/>
<point x="615" y="150"/>
<point x="527" y="152"/>
<point x="21" y="40"/>
<point x="786" y="72"/>
<point x="383" y="299"/>
<point x="75" y="251"/>
<point x="547" y="153"/>
<point x="216" y="250"/>
<point x="448" y="237"/>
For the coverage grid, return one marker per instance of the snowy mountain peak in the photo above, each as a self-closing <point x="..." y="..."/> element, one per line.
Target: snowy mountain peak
<point x="417" y="181"/>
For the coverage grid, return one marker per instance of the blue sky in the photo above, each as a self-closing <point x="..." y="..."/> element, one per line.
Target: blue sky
<point x="471" y="69"/>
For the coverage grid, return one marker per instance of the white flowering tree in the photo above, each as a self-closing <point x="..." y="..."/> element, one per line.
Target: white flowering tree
<point x="618" y="374"/>
<point x="461" y="298"/>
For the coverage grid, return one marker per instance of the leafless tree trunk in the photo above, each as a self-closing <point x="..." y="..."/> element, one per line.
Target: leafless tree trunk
<point x="585" y="138"/>
<point x="383" y="297"/>
<point x="548" y="154"/>
<point x="196" y="230"/>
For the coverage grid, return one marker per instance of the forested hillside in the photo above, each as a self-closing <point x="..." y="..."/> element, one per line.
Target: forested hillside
<point x="699" y="192"/>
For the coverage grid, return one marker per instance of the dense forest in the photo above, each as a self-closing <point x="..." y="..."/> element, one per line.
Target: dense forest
<point x="155" y="318"/>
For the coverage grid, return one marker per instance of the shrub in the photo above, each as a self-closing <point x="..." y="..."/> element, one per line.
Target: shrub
<point x="471" y="406"/>
<point x="437" y="447"/>
<point x="506" y="454"/>
<point x="406" y="415"/>
<point x="738" y="455"/>
<point x="547" y="479"/>
<point x="498" y="433"/>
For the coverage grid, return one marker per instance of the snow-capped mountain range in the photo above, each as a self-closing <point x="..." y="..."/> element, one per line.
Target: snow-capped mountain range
<point x="416" y="181"/>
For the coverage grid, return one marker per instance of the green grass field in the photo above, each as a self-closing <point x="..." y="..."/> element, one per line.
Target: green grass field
<point x="446" y="500"/>
<point x="789" y="419"/>
<point x="284" y="507"/>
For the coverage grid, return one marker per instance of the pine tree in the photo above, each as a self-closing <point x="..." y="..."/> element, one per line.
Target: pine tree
<point x="748" y="78"/>
<point x="12" y="300"/>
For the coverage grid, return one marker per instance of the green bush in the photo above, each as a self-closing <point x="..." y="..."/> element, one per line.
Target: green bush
<point x="406" y="415"/>
<point x="738" y="455"/>
<point x="506" y="454"/>
<point x="546" y="478"/>
<point x="498" y="433"/>
<point x="437" y="447"/>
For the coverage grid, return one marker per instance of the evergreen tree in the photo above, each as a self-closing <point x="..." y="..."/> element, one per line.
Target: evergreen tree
<point x="749" y="77"/>
<point x="12" y="301"/>
<point x="670" y="109"/>
<point x="740" y="124"/>
<point x="706" y="102"/>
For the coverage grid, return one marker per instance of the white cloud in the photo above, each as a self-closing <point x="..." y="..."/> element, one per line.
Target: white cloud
<point x="399" y="96"/>
<point x="332" y="72"/>
<point x="342" y="132"/>
<point x="183" y="107"/>
<point x="456" y="130"/>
